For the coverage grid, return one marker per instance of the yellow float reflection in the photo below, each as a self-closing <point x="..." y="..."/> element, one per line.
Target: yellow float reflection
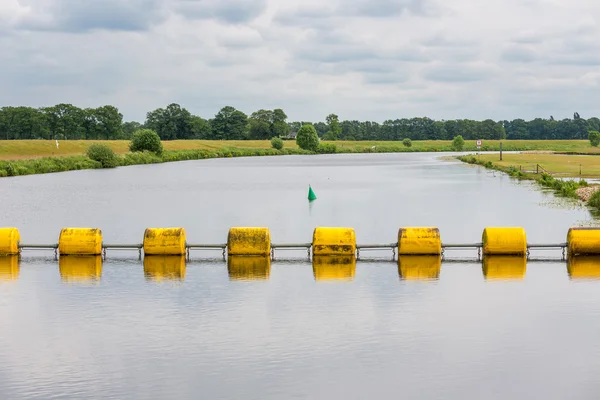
<point x="501" y="267"/>
<point x="80" y="269"/>
<point x="9" y="268"/>
<point x="248" y="268"/>
<point x="584" y="267"/>
<point x="334" y="268"/>
<point x="419" y="268"/>
<point x="170" y="268"/>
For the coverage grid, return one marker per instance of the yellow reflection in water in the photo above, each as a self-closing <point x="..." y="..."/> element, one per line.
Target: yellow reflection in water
<point x="248" y="268"/>
<point x="584" y="267"/>
<point x="80" y="268"/>
<point x="159" y="268"/>
<point x="421" y="268"/>
<point x="334" y="268"/>
<point x="9" y="268"/>
<point x="500" y="267"/>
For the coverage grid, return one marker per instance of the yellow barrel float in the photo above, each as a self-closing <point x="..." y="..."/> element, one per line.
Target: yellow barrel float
<point x="80" y="269"/>
<point x="419" y="241"/>
<point x="334" y="241"/>
<point x="80" y="241"/>
<point x="9" y="268"/>
<point x="581" y="241"/>
<point x="249" y="242"/>
<point x="159" y="268"/>
<point x="507" y="241"/>
<point x="10" y="239"/>
<point x="503" y="267"/>
<point x="419" y="268"/>
<point x="164" y="241"/>
<point x="584" y="267"/>
<point x="248" y="268"/>
<point x="334" y="268"/>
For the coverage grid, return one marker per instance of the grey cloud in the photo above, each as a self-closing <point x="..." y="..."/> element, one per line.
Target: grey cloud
<point x="81" y="16"/>
<point x="519" y="54"/>
<point x="582" y="60"/>
<point x="383" y="8"/>
<point x="456" y="73"/>
<point x="230" y="11"/>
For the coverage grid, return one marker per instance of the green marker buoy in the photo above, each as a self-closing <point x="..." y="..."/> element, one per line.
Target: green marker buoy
<point x="311" y="195"/>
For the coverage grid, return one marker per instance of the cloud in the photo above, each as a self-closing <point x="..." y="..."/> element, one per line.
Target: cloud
<point x="360" y="59"/>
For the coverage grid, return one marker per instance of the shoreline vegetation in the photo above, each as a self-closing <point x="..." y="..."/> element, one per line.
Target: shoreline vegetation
<point x="26" y="157"/>
<point x="574" y="189"/>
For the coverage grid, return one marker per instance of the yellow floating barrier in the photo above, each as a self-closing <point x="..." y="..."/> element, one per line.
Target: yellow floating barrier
<point x="584" y="267"/>
<point x="507" y="241"/>
<point x="502" y="267"/>
<point x="9" y="268"/>
<point x="248" y="268"/>
<point x="9" y="241"/>
<point x="80" y="241"/>
<point x="249" y="242"/>
<point x="419" y="268"/>
<point x="581" y="241"/>
<point x="159" y="268"/>
<point x="419" y="241"/>
<point x="334" y="268"/>
<point x="334" y="241"/>
<point x="164" y="241"/>
<point x="80" y="269"/>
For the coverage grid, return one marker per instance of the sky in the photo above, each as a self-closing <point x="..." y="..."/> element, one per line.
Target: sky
<point x="360" y="59"/>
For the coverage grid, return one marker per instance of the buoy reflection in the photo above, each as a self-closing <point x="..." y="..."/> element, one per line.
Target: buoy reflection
<point x="164" y="268"/>
<point x="9" y="268"/>
<point x="420" y="268"/>
<point x="500" y="267"/>
<point x="334" y="268"/>
<point x="80" y="269"/>
<point x="248" y="268"/>
<point x="584" y="267"/>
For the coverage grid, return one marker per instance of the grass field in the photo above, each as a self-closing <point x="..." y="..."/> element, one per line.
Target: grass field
<point x="555" y="164"/>
<point x="27" y="149"/>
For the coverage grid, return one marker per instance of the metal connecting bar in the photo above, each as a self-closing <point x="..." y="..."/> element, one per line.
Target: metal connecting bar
<point x="292" y="246"/>
<point x="38" y="246"/>
<point x="546" y="246"/>
<point x="206" y="246"/>
<point x="462" y="246"/>
<point x="123" y="246"/>
<point x="376" y="246"/>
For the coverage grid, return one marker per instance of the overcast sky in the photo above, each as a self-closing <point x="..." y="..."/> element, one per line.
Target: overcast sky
<point x="361" y="59"/>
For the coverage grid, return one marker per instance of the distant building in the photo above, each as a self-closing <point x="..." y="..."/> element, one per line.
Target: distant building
<point x="292" y="135"/>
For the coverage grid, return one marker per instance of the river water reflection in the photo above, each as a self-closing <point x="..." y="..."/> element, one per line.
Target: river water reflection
<point x="417" y="327"/>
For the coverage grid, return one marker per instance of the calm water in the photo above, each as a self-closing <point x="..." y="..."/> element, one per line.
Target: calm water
<point x="159" y="330"/>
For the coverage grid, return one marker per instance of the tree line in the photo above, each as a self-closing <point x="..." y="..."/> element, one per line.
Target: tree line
<point x="68" y="122"/>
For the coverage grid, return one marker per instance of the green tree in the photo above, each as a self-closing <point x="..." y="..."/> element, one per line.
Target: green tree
<point x="146" y="140"/>
<point x="458" y="143"/>
<point x="277" y="143"/>
<point x="65" y="121"/>
<point x="129" y="128"/>
<point x="280" y="127"/>
<point x="407" y="142"/>
<point x="307" y="138"/>
<point x="171" y="123"/>
<point x="109" y="122"/>
<point x="333" y="123"/>
<point x="259" y="125"/>
<point x="230" y="124"/>
<point x="200" y="128"/>
<point x="103" y="154"/>
<point x="594" y="137"/>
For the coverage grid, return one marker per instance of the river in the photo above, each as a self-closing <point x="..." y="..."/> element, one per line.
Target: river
<point x="290" y="333"/>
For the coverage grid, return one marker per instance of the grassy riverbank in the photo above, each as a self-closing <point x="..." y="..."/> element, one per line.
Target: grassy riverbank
<point x="572" y="188"/>
<point x="29" y="149"/>
<point x="555" y="164"/>
<point x="25" y="157"/>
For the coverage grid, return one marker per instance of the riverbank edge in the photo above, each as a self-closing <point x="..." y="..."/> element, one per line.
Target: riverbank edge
<point x="569" y="188"/>
<point x="44" y="165"/>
